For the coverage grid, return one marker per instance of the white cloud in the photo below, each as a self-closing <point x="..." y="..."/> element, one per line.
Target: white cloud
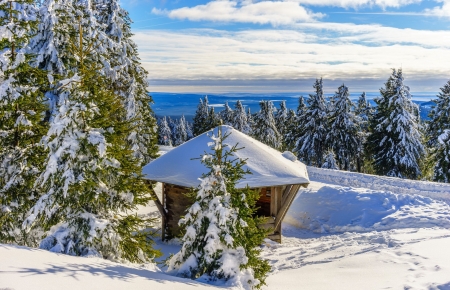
<point x="281" y="12"/>
<point x="358" y="3"/>
<point x="362" y="53"/>
<point x="440" y="11"/>
<point x="263" y="12"/>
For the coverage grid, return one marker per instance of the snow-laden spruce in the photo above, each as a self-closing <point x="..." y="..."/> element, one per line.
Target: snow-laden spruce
<point x="329" y="161"/>
<point x="164" y="133"/>
<point x="127" y="77"/>
<point x="265" y="129"/>
<point x="91" y="179"/>
<point x="181" y="134"/>
<point x="281" y="116"/>
<point x="202" y="117"/>
<point x="438" y="135"/>
<point x="290" y="134"/>
<point x="396" y="140"/>
<point x="22" y="113"/>
<point x="344" y="136"/>
<point x="240" y="119"/>
<point x="310" y="146"/>
<point x="221" y="239"/>
<point x="227" y="115"/>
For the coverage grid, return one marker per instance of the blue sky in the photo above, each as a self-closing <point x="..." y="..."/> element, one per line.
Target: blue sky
<point x="282" y="46"/>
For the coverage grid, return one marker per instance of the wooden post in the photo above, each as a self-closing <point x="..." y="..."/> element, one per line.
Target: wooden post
<point x="285" y="207"/>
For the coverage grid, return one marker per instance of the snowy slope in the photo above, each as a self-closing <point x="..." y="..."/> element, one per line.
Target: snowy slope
<point x="435" y="190"/>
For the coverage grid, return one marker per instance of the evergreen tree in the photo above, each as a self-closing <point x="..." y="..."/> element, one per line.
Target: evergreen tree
<point x="201" y="118"/>
<point x="265" y="129"/>
<point x="92" y="180"/>
<point x="213" y="120"/>
<point x="127" y="77"/>
<point x="164" y="133"/>
<point x="22" y="126"/>
<point x="291" y="133"/>
<point x="173" y="128"/>
<point x="181" y="132"/>
<point x="222" y="236"/>
<point x="439" y="116"/>
<point x="189" y="132"/>
<point x="344" y="136"/>
<point x="301" y="108"/>
<point x="240" y="120"/>
<point x="310" y="146"/>
<point x="364" y="112"/>
<point x="281" y="118"/>
<point x="330" y="161"/>
<point x="250" y="121"/>
<point x="438" y="135"/>
<point x="227" y="115"/>
<point x="441" y="157"/>
<point x="395" y="141"/>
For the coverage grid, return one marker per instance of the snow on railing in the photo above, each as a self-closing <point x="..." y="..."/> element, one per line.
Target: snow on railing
<point x="435" y="190"/>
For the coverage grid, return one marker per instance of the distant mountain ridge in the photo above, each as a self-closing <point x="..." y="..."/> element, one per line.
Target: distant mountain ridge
<point x="177" y="104"/>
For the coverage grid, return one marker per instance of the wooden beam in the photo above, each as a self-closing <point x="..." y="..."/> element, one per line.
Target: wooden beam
<point x="285" y="206"/>
<point x="286" y="192"/>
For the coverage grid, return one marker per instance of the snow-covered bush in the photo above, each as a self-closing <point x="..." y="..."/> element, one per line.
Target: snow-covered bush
<point x="221" y="234"/>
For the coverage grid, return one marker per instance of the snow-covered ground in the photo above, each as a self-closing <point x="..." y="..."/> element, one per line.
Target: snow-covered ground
<point x="333" y="238"/>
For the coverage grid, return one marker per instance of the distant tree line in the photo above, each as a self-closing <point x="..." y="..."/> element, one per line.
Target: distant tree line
<point x="386" y="139"/>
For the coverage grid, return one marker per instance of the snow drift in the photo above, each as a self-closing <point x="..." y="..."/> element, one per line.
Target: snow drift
<point x="334" y="209"/>
<point x="435" y="190"/>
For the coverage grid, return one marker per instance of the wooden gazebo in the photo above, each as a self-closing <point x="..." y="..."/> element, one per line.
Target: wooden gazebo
<point x="277" y="176"/>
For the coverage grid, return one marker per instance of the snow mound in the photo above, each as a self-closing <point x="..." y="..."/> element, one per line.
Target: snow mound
<point x="334" y="209"/>
<point x="435" y="190"/>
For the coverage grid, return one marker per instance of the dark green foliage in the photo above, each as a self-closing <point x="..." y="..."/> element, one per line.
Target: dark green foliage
<point x="22" y="125"/>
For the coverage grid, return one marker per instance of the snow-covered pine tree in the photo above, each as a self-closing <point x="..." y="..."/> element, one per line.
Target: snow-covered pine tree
<point x="310" y="146"/>
<point x="181" y="132"/>
<point x="164" y="132"/>
<point x="265" y="129"/>
<point x="189" y="132"/>
<point x="290" y="136"/>
<point x="213" y="119"/>
<point x="438" y="135"/>
<point x="127" y="76"/>
<point x="281" y="116"/>
<point x="439" y="116"/>
<point x="301" y="108"/>
<point x="92" y="180"/>
<point x="222" y="236"/>
<point x="250" y="121"/>
<point x="22" y="111"/>
<point x="173" y="128"/>
<point x="364" y="112"/>
<point x="240" y="120"/>
<point x="227" y="115"/>
<point x="441" y="157"/>
<point x="396" y="141"/>
<point x="329" y="161"/>
<point x="344" y="134"/>
<point x="201" y="117"/>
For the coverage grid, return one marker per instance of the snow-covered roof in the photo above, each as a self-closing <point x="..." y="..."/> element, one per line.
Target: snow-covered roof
<point x="269" y="166"/>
